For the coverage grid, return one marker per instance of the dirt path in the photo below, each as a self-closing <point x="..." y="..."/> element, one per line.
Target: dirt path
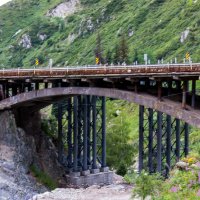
<point x="111" y="192"/>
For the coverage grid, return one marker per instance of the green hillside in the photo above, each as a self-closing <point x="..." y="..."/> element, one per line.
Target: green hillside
<point x="152" y="27"/>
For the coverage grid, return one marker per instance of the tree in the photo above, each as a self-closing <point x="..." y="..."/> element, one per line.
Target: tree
<point x="147" y="185"/>
<point x="117" y="55"/>
<point x="120" y="149"/>
<point x="99" y="50"/>
<point x="123" y="49"/>
<point x="109" y="57"/>
<point x="135" y="56"/>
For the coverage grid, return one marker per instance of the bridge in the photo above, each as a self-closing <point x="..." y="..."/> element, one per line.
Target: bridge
<point x="167" y="96"/>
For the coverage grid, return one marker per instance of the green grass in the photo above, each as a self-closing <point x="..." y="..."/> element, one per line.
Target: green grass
<point x="157" y="29"/>
<point x="43" y="178"/>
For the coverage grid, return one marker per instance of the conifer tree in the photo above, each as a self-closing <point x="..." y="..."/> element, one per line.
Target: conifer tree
<point x="99" y="50"/>
<point x="117" y="55"/>
<point x="123" y="49"/>
<point x="135" y="57"/>
<point x="108" y="57"/>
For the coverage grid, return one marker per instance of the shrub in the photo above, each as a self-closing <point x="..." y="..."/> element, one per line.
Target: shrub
<point x="147" y="185"/>
<point x="43" y="177"/>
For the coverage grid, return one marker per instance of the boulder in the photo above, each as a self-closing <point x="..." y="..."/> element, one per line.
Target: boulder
<point x="182" y="165"/>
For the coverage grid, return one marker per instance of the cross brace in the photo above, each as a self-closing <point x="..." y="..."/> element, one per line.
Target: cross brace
<point x="163" y="140"/>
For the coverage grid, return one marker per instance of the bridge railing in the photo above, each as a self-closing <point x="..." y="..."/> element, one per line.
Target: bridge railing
<point x="100" y="69"/>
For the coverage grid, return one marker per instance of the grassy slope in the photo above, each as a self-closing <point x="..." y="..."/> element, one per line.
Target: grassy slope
<point x="157" y="28"/>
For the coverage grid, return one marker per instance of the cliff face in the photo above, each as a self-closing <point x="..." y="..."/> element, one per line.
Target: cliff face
<point x="18" y="151"/>
<point x="16" y="155"/>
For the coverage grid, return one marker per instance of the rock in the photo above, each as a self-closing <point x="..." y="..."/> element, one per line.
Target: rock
<point x="182" y="165"/>
<point x="184" y="35"/>
<point x="42" y="37"/>
<point x="112" y="192"/>
<point x="25" y="41"/>
<point x="130" y="33"/>
<point x="195" y="166"/>
<point x="71" y="38"/>
<point x="64" y="9"/>
<point x="117" y="179"/>
<point x="19" y="150"/>
<point x="90" y="24"/>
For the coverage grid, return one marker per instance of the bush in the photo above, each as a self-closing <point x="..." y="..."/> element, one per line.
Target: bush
<point x="147" y="185"/>
<point x="130" y="177"/>
<point x="181" y="185"/>
<point x="122" y="169"/>
<point x="43" y="177"/>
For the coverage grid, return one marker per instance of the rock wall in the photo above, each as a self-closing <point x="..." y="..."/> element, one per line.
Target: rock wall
<point x="18" y="151"/>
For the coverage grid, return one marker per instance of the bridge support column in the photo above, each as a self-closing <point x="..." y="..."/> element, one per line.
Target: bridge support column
<point x="151" y="136"/>
<point x="60" y="133"/>
<point x="94" y="133"/>
<point x="86" y="140"/>
<point x="178" y="145"/>
<point x="163" y="140"/>
<point x="184" y="95"/>
<point x="159" y="141"/>
<point x="85" y="135"/>
<point x="168" y="143"/>
<point x="7" y="91"/>
<point x="37" y="86"/>
<point x="80" y="129"/>
<point x="75" y="135"/>
<point x="193" y="92"/>
<point x="186" y="149"/>
<point x="159" y="90"/>
<point x="141" y="137"/>
<point x="69" y="134"/>
<point x="103" y="164"/>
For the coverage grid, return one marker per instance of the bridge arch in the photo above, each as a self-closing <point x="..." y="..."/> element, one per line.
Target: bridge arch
<point x="41" y="98"/>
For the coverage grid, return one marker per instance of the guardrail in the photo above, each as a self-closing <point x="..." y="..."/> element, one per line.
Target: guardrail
<point x="100" y="69"/>
<point x="101" y="66"/>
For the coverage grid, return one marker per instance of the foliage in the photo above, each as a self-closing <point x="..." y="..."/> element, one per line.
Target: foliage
<point x="181" y="185"/>
<point x="108" y="57"/>
<point x="190" y="160"/>
<point x="123" y="49"/>
<point x="147" y="185"/>
<point x="43" y="177"/>
<point x="130" y="177"/>
<point x="121" y="137"/>
<point x="122" y="132"/>
<point x="99" y="50"/>
<point x="49" y="126"/>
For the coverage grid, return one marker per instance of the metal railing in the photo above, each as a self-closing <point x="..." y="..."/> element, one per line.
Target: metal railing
<point x="122" y="69"/>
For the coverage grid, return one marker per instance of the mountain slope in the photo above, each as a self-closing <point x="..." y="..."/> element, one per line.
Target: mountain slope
<point x="154" y="27"/>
